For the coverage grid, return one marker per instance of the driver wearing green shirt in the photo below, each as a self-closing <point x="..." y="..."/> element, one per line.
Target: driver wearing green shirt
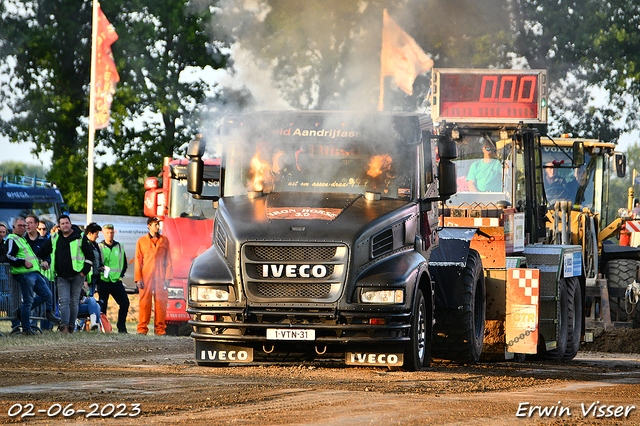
<point x="486" y="175"/>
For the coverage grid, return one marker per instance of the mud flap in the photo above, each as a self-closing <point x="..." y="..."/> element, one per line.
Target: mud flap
<point x="207" y="351"/>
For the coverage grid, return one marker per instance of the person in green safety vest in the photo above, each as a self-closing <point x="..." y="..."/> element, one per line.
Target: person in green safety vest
<point x="110" y="283"/>
<point x="25" y="269"/>
<point x="71" y="260"/>
<point x="35" y="240"/>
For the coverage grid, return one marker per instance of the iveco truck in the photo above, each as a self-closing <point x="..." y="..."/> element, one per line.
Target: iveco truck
<point x="324" y="227"/>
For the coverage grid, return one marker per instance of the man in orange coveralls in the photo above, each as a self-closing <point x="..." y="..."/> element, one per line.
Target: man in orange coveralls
<point x="153" y="271"/>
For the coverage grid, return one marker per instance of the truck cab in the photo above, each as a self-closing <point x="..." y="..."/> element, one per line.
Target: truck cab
<point x="23" y="195"/>
<point x="188" y="224"/>
<point x="324" y="225"/>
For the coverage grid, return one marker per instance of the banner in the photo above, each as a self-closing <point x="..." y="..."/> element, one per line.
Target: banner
<point x="401" y="56"/>
<point x="106" y="72"/>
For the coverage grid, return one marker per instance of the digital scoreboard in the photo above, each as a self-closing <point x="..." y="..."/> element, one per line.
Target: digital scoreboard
<point x="489" y="96"/>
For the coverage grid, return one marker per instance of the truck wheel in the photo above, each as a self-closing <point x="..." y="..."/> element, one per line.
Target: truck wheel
<point x="574" y="318"/>
<point x="620" y="273"/>
<point x="562" y="330"/>
<point x="460" y="336"/>
<point x="418" y="349"/>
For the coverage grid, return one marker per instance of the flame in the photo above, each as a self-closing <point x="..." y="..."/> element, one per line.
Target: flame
<point x="378" y="165"/>
<point x="259" y="170"/>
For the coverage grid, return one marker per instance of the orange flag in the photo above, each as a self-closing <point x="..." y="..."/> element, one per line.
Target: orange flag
<point x="401" y="56"/>
<point x="106" y="72"/>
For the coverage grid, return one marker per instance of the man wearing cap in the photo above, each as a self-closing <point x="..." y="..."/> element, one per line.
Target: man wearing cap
<point x="110" y="283"/>
<point x="153" y="270"/>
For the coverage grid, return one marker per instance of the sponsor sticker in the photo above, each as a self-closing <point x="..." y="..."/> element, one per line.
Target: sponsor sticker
<point x="302" y="213"/>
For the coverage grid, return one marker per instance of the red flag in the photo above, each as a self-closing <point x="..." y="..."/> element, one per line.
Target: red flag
<point x="106" y="72"/>
<point x="401" y="56"/>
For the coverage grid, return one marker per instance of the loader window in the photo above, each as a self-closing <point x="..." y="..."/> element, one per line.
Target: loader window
<point x="562" y="183"/>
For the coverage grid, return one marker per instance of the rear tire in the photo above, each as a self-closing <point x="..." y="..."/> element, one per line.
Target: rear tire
<point x="460" y="335"/>
<point x="562" y="328"/>
<point x="620" y="273"/>
<point x="574" y="318"/>
<point x="417" y="352"/>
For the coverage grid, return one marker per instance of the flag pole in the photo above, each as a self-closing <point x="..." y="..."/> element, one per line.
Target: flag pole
<point x="92" y="103"/>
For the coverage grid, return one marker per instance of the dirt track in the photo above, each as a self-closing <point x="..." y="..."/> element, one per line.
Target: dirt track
<point x="161" y="376"/>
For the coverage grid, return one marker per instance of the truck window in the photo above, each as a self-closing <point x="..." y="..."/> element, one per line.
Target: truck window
<point x="184" y="205"/>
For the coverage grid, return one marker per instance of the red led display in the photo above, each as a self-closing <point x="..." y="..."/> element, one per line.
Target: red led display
<point x="488" y="95"/>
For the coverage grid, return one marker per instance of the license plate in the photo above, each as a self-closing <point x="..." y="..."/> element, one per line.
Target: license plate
<point x="278" y="334"/>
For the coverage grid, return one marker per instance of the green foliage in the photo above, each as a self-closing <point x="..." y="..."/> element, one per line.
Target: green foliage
<point x="19" y="168"/>
<point x="153" y="113"/>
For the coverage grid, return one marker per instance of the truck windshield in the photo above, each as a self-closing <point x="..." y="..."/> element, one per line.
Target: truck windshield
<point x="184" y="205"/>
<point x="46" y="212"/>
<point x="327" y="165"/>
<point x="565" y="183"/>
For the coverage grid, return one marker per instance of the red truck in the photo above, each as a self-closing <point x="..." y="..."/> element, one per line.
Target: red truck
<point x="187" y="222"/>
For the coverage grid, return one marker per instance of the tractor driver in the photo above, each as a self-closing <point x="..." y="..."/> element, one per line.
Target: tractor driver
<point x="486" y="175"/>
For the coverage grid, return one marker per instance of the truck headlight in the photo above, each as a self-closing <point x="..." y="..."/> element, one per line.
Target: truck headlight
<point x="387" y="297"/>
<point x="208" y="294"/>
<point x="175" y="292"/>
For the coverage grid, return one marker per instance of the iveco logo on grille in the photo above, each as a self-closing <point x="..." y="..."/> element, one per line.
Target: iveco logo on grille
<point x="294" y="271"/>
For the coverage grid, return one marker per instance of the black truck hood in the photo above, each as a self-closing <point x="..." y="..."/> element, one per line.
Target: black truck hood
<point x="286" y="216"/>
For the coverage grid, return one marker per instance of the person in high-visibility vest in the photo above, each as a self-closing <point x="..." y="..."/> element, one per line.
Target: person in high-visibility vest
<point x="25" y="269"/>
<point x="153" y="271"/>
<point x="35" y="240"/>
<point x="110" y="282"/>
<point x="71" y="259"/>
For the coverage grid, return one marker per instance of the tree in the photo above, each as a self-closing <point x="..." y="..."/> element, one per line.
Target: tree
<point x="326" y="55"/>
<point x="153" y="112"/>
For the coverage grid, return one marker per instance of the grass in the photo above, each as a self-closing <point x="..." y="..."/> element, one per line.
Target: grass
<point x="81" y="337"/>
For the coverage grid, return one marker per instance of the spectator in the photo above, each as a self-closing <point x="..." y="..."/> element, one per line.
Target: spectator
<point x="4" y="231"/>
<point x="42" y="229"/>
<point x="110" y="282"/>
<point x="486" y="175"/>
<point x="636" y="208"/>
<point x="153" y="270"/>
<point x="35" y="240"/>
<point x="25" y="268"/>
<point x="5" y="293"/>
<point x="88" y="303"/>
<point x="71" y="260"/>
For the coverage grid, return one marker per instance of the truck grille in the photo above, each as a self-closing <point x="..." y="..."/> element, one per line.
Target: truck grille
<point x="286" y="253"/>
<point x="287" y="290"/>
<point x="294" y="273"/>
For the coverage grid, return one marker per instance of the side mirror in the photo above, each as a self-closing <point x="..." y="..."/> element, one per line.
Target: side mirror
<point x="448" y="178"/>
<point x="578" y="153"/>
<point x="195" y="168"/>
<point x="195" y="171"/>
<point x="620" y="161"/>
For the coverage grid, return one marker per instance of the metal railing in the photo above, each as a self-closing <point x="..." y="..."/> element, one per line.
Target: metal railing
<point x="11" y="299"/>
